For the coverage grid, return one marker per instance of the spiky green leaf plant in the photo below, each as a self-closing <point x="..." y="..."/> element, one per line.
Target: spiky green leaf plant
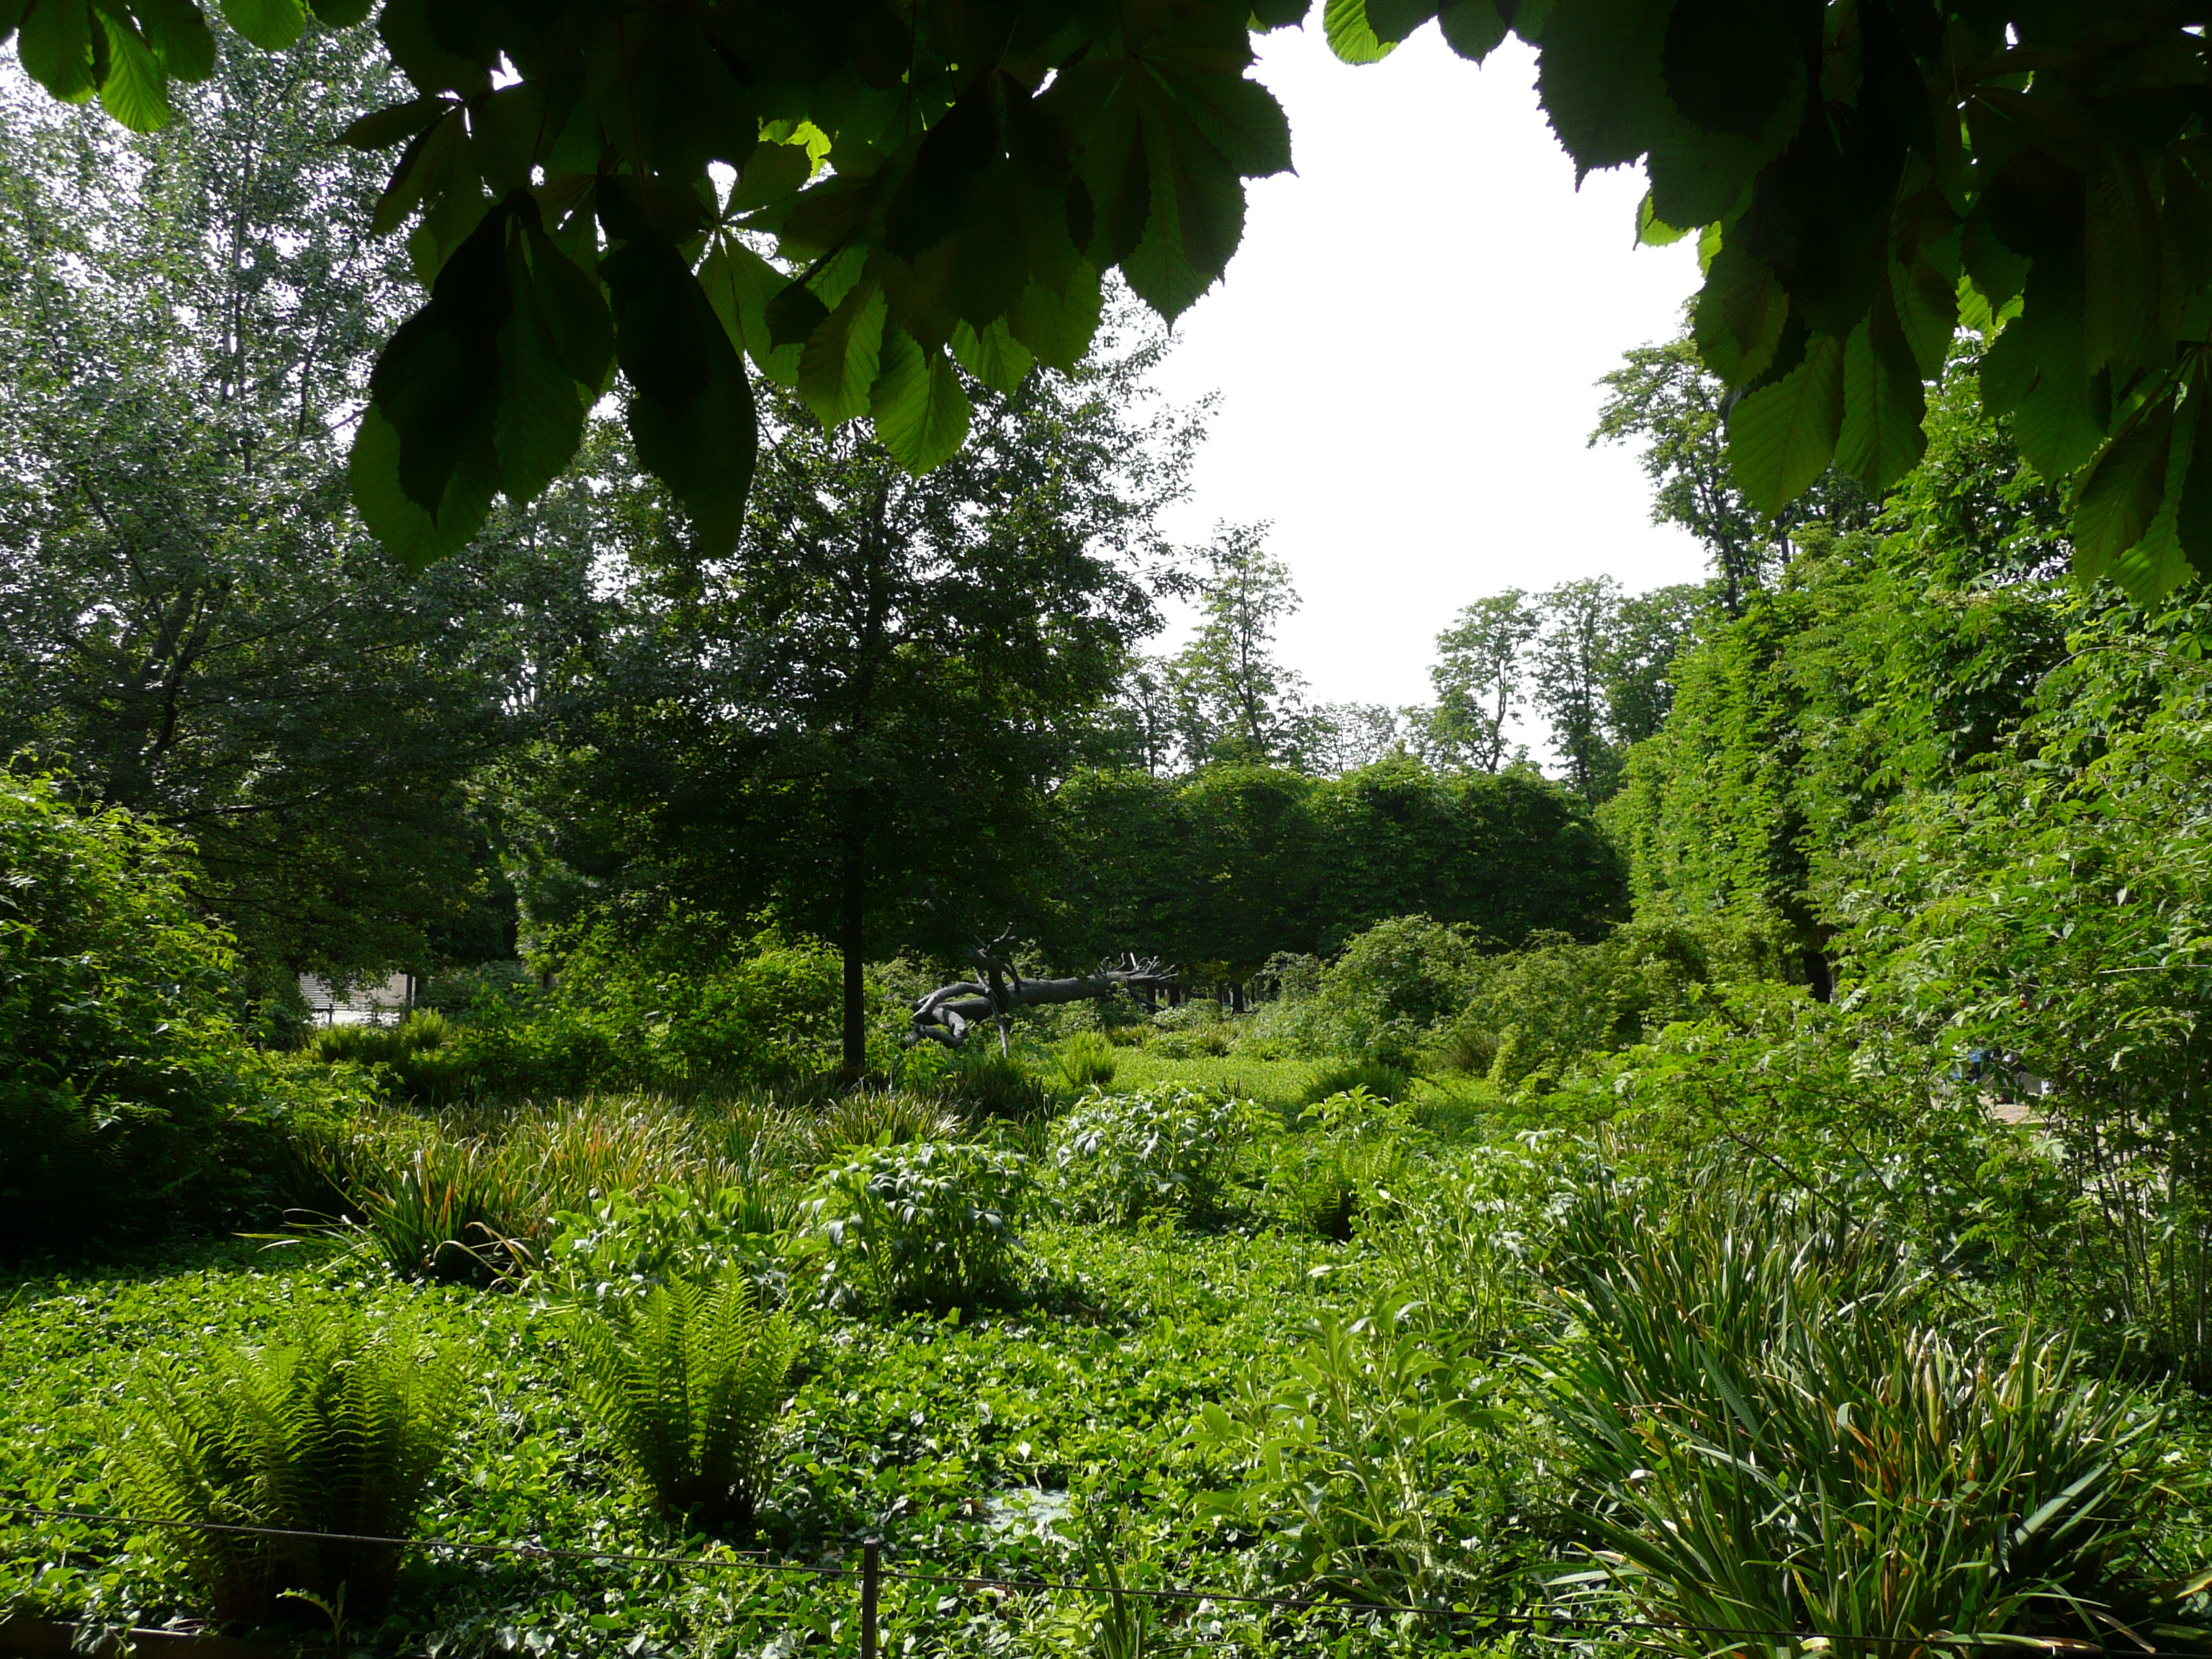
<point x="1776" y="1440"/>
<point x="337" y="1426"/>
<point x="689" y="1386"/>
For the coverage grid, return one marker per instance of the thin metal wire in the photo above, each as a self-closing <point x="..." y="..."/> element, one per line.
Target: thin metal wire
<point x="1531" y="1622"/>
<point x="539" y="1552"/>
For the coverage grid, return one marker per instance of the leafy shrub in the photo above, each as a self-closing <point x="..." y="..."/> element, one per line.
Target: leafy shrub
<point x="417" y="1054"/>
<point x="1774" y="1439"/>
<point x="1167" y="1150"/>
<point x="630" y="1243"/>
<point x="129" y="1099"/>
<point x="1534" y="1015"/>
<point x="1383" y="1082"/>
<point x="1201" y="1027"/>
<point x="1469" y="1231"/>
<point x="1087" y="1062"/>
<point x="685" y="1006"/>
<point x="689" y="1385"/>
<point x="1391" y="984"/>
<point x="339" y="1427"/>
<point x="1331" y="1177"/>
<point x="1360" y="1465"/>
<point x="927" y="1224"/>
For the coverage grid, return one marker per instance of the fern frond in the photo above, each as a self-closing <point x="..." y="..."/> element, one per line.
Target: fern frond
<point x="689" y="1388"/>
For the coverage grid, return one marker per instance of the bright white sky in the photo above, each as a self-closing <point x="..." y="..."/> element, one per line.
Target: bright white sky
<point x="1406" y="347"/>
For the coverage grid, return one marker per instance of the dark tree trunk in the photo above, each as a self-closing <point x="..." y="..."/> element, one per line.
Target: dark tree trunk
<point x="852" y="929"/>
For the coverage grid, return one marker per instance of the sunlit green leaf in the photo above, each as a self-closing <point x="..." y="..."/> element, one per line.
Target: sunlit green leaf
<point x="920" y="406"/>
<point x="840" y="361"/>
<point x="1783" y="436"/>
<point x="137" y="91"/>
<point x="272" y="25"/>
<point x="1349" y="36"/>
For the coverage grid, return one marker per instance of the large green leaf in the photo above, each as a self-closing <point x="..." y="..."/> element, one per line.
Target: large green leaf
<point x="1739" y="316"/>
<point x="177" y="31"/>
<point x="1599" y="79"/>
<point x="55" y="47"/>
<point x="2033" y="372"/>
<point x="771" y="174"/>
<point x="2122" y="490"/>
<point x="1731" y="66"/>
<point x="1927" y="302"/>
<point x="920" y="406"/>
<point x="272" y="25"/>
<point x="136" y="90"/>
<point x="574" y="311"/>
<point x="741" y="285"/>
<point x="691" y="409"/>
<point x="993" y="355"/>
<point x="2122" y="263"/>
<point x="841" y="361"/>
<point x="1782" y="437"/>
<point x="1058" y="324"/>
<point x="1472" y="28"/>
<point x="2160" y="562"/>
<point x="1351" y="36"/>
<point x="540" y="419"/>
<point x="412" y="535"/>
<point x="1196" y="209"/>
<point x="1884" y="403"/>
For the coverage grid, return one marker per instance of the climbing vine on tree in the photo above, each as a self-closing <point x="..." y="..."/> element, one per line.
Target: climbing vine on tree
<point x="592" y="185"/>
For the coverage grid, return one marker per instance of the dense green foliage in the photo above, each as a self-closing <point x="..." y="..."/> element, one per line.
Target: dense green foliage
<point x="1757" y="1385"/>
<point x="1224" y="869"/>
<point x="1165" y="1151"/>
<point x="918" y="1224"/>
<point x="130" y="1099"/>
<point x="947" y="186"/>
<point x="192" y="627"/>
<point x="1754" y="1188"/>
<point x="885" y="675"/>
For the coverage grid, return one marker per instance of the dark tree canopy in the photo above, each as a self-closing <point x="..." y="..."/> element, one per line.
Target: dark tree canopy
<point x="948" y="183"/>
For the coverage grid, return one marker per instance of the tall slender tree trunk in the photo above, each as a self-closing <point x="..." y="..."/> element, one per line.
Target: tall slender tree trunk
<point x="852" y="929"/>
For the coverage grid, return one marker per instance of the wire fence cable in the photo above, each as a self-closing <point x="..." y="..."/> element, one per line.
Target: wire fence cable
<point x="1535" y="1624"/>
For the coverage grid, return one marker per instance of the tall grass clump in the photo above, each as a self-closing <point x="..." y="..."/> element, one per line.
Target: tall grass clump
<point x="1087" y="1060"/>
<point x="871" y="1117"/>
<point x="689" y="1387"/>
<point x="991" y="1086"/>
<point x="337" y="1426"/>
<point x="1776" y="1439"/>
<point x="452" y="1210"/>
<point x="1168" y="1150"/>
